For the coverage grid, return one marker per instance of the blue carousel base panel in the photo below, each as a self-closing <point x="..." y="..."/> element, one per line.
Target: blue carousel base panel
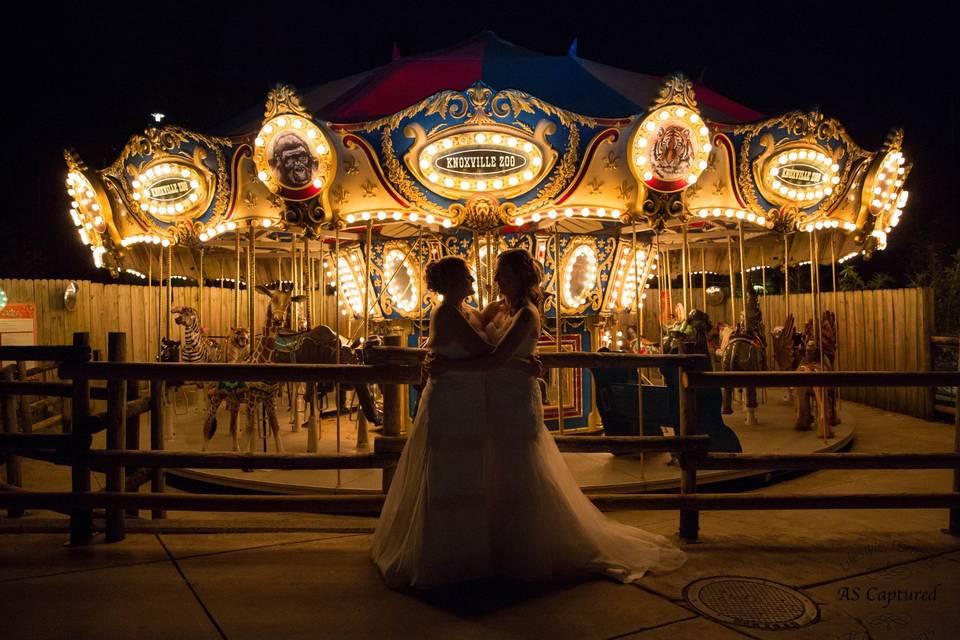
<point x="594" y="472"/>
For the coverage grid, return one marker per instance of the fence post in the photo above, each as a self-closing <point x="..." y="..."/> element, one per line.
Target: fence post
<point x="391" y="397"/>
<point x="116" y="434"/>
<point x="133" y="432"/>
<point x="81" y="518"/>
<point x="158" y="481"/>
<point x="955" y="511"/>
<point x="689" y="518"/>
<point x="14" y="472"/>
<point x="26" y="425"/>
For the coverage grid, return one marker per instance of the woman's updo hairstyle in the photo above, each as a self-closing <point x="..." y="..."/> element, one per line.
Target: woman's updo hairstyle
<point x="442" y="274"/>
<point x="529" y="271"/>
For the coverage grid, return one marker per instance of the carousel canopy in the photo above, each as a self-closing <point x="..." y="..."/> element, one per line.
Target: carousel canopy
<point x="569" y="82"/>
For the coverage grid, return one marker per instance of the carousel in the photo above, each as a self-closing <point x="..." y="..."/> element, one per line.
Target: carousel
<point x="661" y="212"/>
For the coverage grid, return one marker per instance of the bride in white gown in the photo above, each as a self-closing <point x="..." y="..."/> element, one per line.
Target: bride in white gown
<point x="541" y="525"/>
<point x="481" y="488"/>
<point x="433" y="528"/>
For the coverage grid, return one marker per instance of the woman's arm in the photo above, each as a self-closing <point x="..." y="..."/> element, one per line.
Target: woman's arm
<point x="523" y="325"/>
<point x="490" y="311"/>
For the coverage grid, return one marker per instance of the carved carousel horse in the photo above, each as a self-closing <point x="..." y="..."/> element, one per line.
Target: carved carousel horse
<point x="826" y="398"/>
<point x="315" y="346"/>
<point x="745" y="350"/>
<point x="786" y="342"/>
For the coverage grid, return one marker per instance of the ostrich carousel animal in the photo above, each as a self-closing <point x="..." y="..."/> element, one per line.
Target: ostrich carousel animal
<point x="315" y="346"/>
<point x="811" y="360"/>
<point x="744" y="349"/>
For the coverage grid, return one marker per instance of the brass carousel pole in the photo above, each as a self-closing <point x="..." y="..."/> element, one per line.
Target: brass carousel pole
<point x="159" y="298"/>
<point x="669" y="286"/>
<point x="638" y="306"/>
<point x="422" y="292"/>
<point x="307" y="264"/>
<point x="149" y="315"/>
<point x="743" y="272"/>
<point x="558" y="303"/>
<point x="313" y="432"/>
<point x="786" y="278"/>
<point x="833" y="265"/>
<point x="221" y="305"/>
<point x="251" y="278"/>
<point x="733" y="287"/>
<point x="293" y="387"/>
<point x="336" y="390"/>
<point x="367" y="310"/>
<point x="169" y="285"/>
<point x="659" y="290"/>
<point x="294" y="309"/>
<point x="684" y="250"/>
<point x="763" y="270"/>
<point x="236" y="284"/>
<point x="476" y="261"/>
<point x="200" y="291"/>
<point x="818" y="303"/>
<point x="703" y="278"/>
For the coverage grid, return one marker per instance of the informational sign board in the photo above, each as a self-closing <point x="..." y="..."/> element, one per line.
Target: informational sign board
<point x="18" y="326"/>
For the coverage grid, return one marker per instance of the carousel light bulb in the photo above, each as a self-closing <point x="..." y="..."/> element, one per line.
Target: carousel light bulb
<point x="536" y="161"/>
<point x="203" y="237"/>
<point x="601" y="212"/>
<point x="527" y="147"/>
<point x="552" y="214"/>
<point x="350" y="218"/>
<point x="311" y="133"/>
<point x="691" y="179"/>
<point x="642" y="142"/>
<point x="429" y="219"/>
<point x="481" y="185"/>
<point x="704" y="131"/>
<point x="518" y="221"/>
<point x="585" y="212"/>
<point x="414" y="217"/>
<point x="165" y="242"/>
<point x="648" y="175"/>
<point x="496" y="138"/>
<point x="513" y="181"/>
<point x="663" y="115"/>
<point x="536" y="216"/>
<point x="702" y="164"/>
<point x="447" y="223"/>
<point x="464" y="185"/>
<point x="528" y="175"/>
<point x="694" y="118"/>
<point x="640" y="160"/>
<point x="651" y="126"/>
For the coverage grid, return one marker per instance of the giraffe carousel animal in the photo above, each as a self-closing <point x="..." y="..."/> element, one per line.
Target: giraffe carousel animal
<point x="745" y="349"/>
<point x="818" y="356"/>
<point x="198" y="348"/>
<point x="314" y="346"/>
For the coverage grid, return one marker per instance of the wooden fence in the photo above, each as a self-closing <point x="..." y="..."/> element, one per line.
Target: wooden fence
<point x="121" y="453"/>
<point x="883" y="330"/>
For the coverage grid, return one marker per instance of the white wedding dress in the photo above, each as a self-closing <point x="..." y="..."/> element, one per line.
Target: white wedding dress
<point x="433" y="528"/>
<point x="542" y="524"/>
<point x="481" y="489"/>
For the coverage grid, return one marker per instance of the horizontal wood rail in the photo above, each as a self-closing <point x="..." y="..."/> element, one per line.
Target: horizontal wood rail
<point x="591" y="444"/>
<point x="55" y="353"/>
<point x="182" y="460"/>
<point x="823" y="461"/>
<point x="26" y="442"/>
<point x="567" y="359"/>
<point x="372" y="503"/>
<point x="346" y="374"/>
<point x="52" y="389"/>
<point x="705" y="379"/>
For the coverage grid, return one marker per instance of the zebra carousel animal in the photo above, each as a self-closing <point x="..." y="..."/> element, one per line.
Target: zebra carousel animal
<point x="199" y="349"/>
<point x="745" y="349"/>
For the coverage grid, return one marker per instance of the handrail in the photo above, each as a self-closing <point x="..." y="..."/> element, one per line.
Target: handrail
<point x="43" y="352"/>
<point x="703" y="379"/>
<point x="345" y="373"/>
<point x="566" y="359"/>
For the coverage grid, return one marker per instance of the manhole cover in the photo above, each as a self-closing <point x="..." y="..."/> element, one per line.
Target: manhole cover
<point x="751" y="602"/>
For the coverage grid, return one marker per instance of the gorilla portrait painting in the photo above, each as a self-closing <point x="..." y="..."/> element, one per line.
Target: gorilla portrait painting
<point x="292" y="162"/>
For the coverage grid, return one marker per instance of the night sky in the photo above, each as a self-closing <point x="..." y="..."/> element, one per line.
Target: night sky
<point x="90" y="79"/>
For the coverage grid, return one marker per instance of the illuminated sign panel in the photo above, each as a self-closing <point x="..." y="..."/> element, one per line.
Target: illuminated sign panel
<point x="460" y="165"/>
<point x="800" y="175"/>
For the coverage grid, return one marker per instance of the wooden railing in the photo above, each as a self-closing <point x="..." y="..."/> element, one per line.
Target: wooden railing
<point x="401" y="366"/>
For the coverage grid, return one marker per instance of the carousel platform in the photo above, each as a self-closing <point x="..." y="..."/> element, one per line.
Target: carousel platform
<point x="595" y="472"/>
